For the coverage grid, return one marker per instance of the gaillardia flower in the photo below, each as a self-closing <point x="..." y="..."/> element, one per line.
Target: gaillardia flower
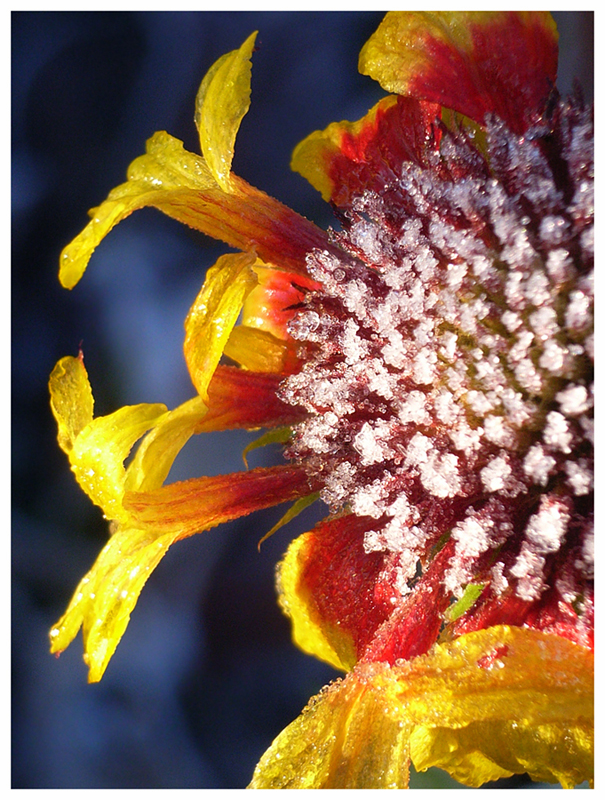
<point x="428" y="369"/>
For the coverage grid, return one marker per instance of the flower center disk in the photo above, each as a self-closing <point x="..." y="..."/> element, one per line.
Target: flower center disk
<point x="447" y="370"/>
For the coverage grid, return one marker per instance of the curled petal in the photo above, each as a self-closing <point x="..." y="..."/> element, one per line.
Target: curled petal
<point x="98" y="450"/>
<point x="477" y="63"/>
<point x="166" y="173"/>
<point x="214" y="314"/>
<point x="222" y="101"/>
<point x="490" y="704"/>
<point x="348" y="158"/>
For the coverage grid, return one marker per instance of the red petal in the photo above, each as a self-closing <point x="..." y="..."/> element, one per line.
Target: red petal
<point x="337" y="580"/>
<point x="238" y="398"/>
<point x="415" y="622"/>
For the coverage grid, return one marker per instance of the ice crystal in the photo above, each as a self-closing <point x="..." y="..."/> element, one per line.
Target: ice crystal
<point x="447" y="367"/>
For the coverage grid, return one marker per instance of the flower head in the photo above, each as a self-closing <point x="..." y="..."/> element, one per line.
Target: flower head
<point x="429" y="370"/>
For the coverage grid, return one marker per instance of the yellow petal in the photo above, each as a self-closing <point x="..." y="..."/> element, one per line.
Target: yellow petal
<point x="157" y="178"/>
<point x="306" y="633"/>
<point x="256" y="350"/>
<point x="492" y="703"/>
<point x="97" y="447"/>
<point x="214" y="314"/>
<point x="105" y="598"/>
<point x="98" y="455"/>
<point x="156" y="453"/>
<point x="351" y="736"/>
<point x="222" y="101"/>
<point x="71" y="399"/>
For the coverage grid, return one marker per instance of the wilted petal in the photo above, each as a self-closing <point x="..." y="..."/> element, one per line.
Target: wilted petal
<point x="260" y="351"/>
<point x="477" y="63"/>
<point x="346" y="604"/>
<point x="491" y="704"/>
<point x="156" y="453"/>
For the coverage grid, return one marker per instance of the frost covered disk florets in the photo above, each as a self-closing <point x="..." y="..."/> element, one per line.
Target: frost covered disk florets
<point x="448" y="371"/>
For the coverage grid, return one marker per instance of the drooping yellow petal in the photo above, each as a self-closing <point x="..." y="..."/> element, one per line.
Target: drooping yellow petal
<point x="157" y="178"/>
<point x="492" y="703"/>
<point x="71" y="400"/>
<point x="106" y="596"/>
<point x="214" y="314"/>
<point x="222" y="101"/>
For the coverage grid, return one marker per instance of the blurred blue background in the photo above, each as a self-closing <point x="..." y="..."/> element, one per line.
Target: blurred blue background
<point x="206" y="675"/>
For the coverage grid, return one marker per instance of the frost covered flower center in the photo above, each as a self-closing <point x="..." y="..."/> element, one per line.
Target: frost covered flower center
<point x="448" y="364"/>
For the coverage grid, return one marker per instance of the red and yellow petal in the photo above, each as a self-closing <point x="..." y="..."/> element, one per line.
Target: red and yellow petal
<point x="188" y="507"/>
<point x="107" y="595"/>
<point x="478" y="63"/>
<point x="328" y="588"/>
<point x="241" y="399"/>
<point x="181" y="185"/>
<point x="273" y="302"/>
<point x="345" y="605"/>
<point x="348" y="158"/>
<point x="488" y="705"/>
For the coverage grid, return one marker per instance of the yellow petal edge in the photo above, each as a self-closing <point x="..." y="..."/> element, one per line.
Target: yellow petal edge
<point x="488" y="705"/>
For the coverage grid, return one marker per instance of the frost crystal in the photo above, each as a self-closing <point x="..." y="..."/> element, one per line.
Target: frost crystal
<point x="447" y="362"/>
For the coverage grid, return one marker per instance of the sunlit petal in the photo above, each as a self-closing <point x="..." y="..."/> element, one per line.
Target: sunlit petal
<point x="448" y="57"/>
<point x="490" y="704"/>
<point x="213" y="315"/>
<point x="222" y="101"/>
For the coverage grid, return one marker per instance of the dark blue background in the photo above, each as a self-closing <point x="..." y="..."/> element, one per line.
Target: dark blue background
<point x="206" y="675"/>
